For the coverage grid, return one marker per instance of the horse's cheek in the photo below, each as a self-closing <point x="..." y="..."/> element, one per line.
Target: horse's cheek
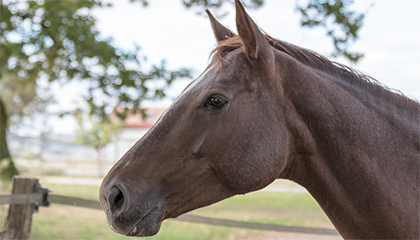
<point x="248" y="170"/>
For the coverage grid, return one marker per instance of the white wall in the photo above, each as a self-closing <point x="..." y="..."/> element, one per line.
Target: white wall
<point x="122" y="143"/>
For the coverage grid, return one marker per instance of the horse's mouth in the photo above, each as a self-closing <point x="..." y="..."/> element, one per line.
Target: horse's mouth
<point x="146" y="226"/>
<point x="149" y="224"/>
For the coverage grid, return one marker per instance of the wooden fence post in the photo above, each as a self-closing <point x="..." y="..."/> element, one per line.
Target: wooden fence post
<point x="19" y="220"/>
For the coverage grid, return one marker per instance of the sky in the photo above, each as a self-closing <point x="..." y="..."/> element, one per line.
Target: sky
<point x="390" y="39"/>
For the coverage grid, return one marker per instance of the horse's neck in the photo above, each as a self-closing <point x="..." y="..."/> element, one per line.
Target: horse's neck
<point x="360" y="163"/>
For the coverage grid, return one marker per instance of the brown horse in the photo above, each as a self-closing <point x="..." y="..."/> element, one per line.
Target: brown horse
<point x="265" y="109"/>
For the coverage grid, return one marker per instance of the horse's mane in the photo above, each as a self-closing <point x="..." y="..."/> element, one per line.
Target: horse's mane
<point x="316" y="61"/>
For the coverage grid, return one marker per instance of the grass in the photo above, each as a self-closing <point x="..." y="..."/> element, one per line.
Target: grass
<point x="64" y="222"/>
<point x="294" y="209"/>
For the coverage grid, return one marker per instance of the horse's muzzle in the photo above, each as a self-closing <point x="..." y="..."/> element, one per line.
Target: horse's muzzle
<point x="129" y="219"/>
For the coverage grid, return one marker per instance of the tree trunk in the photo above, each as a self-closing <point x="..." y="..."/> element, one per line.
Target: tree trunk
<point x="9" y="170"/>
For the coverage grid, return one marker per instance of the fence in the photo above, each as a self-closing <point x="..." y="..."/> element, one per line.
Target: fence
<point x="62" y="155"/>
<point x="28" y="195"/>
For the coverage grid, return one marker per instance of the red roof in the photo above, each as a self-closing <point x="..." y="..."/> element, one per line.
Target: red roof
<point x="137" y="121"/>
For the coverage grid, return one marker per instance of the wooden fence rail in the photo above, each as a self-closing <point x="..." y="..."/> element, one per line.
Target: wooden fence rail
<point x="27" y="196"/>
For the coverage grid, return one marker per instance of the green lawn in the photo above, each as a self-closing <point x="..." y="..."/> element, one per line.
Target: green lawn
<point x="64" y="222"/>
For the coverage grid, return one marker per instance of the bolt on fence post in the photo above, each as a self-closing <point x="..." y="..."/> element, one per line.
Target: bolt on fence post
<point x="19" y="220"/>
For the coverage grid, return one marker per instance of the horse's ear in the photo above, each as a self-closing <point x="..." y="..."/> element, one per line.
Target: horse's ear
<point x="254" y="41"/>
<point x="220" y="32"/>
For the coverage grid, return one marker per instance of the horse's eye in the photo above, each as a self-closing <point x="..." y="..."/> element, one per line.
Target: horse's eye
<point x="216" y="101"/>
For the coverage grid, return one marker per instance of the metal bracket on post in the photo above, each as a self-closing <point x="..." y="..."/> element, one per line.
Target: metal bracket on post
<point x="44" y="202"/>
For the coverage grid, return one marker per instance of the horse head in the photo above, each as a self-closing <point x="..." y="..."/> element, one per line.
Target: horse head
<point x="215" y="141"/>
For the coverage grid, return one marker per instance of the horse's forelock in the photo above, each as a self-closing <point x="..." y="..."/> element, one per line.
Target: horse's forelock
<point x="224" y="48"/>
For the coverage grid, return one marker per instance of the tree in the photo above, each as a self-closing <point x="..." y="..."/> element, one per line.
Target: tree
<point x="57" y="41"/>
<point x="340" y="22"/>
<point x="8" y="169"/>
<point x="96" y="133"/>
<point x="44" y="41"/>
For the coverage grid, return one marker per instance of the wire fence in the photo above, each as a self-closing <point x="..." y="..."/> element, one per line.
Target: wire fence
<point x="41" y="197"/>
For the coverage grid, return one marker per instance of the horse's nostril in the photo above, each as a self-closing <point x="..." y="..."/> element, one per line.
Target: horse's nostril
<point x="116" y="198"/>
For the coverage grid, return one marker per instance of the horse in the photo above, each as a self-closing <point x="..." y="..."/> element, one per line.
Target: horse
<point x="264" y="109"/>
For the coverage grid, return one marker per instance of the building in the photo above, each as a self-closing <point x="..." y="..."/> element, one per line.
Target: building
<point x="133" y="128"/>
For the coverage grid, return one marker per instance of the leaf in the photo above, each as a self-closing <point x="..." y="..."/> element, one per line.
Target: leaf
<point x="57" y="40"/>
<point x="340" y="22"/>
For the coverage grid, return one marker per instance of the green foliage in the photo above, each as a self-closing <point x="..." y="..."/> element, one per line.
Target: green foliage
<point x="341" y="23"/>
<point x="46" y="41"/>
<point x="57" y="40"/>
<point x="94" y="131"/>
<point x="22" y="99"/>
<point x="42" y="41"/>
<point x="210" y="4"/>
<point x="7" y="169"/>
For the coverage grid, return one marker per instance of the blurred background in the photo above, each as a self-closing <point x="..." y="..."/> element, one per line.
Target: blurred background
<point x="82" y="81"/>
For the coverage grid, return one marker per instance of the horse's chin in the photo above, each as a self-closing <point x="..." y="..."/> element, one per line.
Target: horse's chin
<point x="142" y="230"/>
<point x="146" y="226"/>
<point x="150" y="224"/>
